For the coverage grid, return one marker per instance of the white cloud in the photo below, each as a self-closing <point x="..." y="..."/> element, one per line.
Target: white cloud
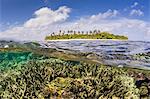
<point x="122" y="26"/>
<point x="46" y="16"/>
<point x="108" y="14"/>
<point x="134" y="9"/>
<point x="134" y="5"/>
<point x="135" y="12"/>
<point x="47" y="21"/>
<point x="148" y="33"/>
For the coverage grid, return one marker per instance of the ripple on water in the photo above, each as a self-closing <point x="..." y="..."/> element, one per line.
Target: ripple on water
<point x="110" y="49"/>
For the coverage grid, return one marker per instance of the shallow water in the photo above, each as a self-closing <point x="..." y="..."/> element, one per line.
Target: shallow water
<point x="134" y="54"/>
<point x="124" y="53"/>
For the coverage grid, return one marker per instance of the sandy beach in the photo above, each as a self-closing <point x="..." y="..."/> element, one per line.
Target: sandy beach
<point x="86" y="40"/>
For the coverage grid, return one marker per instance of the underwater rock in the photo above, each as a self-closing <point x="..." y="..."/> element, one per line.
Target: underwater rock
<point x="94" y="56"/>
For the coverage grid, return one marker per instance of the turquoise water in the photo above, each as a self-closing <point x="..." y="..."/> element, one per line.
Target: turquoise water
<point x="10" y="60"/>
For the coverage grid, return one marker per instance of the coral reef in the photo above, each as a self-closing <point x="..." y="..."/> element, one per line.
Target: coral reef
<point x="49" y="78"/>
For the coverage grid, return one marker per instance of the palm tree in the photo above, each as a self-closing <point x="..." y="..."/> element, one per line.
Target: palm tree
<point x="74" y="32"/>
<point x="78" y="32"/>
<point x="51" y="35"/>
<point x="71" y="31"/>
<point x="90" y="32"/>
<point x="87" y="32"/>
<point x="63" y="32"/>
<point x="59" y="31"/>
<point x="82" y="32"/>
<point x="68" y="31"/>
<point x="95" y="31"/>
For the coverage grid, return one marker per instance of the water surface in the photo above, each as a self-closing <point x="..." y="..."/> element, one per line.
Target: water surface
<point x="120" y="53"/>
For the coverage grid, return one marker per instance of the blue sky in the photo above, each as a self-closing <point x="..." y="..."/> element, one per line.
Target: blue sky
<point x="22" y="10"/>
<point x="19" y="12"/>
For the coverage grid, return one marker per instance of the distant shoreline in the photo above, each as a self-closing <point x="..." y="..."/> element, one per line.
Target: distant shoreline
<point x="87" y="40"/>
<point x="92" y="36"/>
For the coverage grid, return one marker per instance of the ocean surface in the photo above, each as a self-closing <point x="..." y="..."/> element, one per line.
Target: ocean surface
<point x="113" y="52"/>
<point x="134" y="54"/>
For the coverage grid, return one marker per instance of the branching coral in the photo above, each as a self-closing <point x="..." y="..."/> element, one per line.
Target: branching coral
<point x="51" y="77"/>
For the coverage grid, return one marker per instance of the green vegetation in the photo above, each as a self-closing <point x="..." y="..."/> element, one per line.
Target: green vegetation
<point x="82" y="35"/>
<point x="45" y="78"/>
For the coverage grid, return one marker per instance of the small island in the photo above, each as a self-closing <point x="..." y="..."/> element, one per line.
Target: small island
<point x="96" y="34"/>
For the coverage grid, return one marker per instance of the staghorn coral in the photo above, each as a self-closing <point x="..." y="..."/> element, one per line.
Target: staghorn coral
<point x="49" y="78"/>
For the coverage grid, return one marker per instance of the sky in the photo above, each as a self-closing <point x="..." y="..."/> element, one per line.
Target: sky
<point x="34" y="19"/>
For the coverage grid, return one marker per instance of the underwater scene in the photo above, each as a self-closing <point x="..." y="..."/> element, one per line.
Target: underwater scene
<point x="74" y="70"/>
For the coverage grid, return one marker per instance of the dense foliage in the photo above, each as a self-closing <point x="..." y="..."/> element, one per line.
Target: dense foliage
<point x="101" y="35"/>
<point x="46" y="78"/>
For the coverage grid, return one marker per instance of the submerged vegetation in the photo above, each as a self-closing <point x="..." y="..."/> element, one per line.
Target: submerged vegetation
<point x="41" y="77"/>
<point x="96" y="34"/>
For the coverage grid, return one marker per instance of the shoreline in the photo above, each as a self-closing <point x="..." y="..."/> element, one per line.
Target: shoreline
<point x="87" y="40"/>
